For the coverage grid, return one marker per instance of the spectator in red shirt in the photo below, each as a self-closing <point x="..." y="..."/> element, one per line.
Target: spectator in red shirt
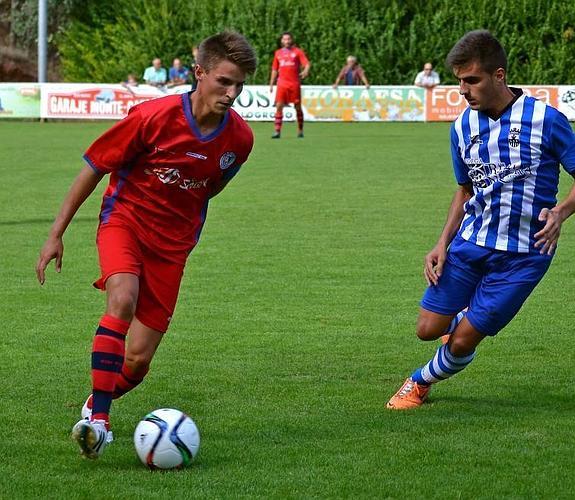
<point x="289" y="67"/>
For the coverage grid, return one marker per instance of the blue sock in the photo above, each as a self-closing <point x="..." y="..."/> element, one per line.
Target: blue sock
<point x="443" y="365"/>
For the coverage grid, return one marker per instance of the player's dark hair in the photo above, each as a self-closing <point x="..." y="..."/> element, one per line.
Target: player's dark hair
<point x="227" y="46"/>
<point x="478" y="46"/>
<point x="282" y="35"/>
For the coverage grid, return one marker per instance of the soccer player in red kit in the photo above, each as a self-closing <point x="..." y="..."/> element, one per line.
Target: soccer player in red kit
<point x="289" y="67"/>
<point x="166" y="159"/>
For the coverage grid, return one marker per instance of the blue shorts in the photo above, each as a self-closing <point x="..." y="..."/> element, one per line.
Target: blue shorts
<point x="494" y="284"/>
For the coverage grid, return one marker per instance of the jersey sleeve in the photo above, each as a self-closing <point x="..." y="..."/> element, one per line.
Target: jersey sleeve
<point x="459" y="167"/>
<point x="303" y="60"/>
<point x="243" y="154"/>
<point x="119" y="146"/>
<point x="563" y="142"/>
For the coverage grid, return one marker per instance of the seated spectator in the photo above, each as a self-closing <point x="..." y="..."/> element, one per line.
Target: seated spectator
<point x="427" y="78"/>
<point x="156" y="75"/>
<point x="351" y="74"/>
<point x="178" y="74"/>
<point x="130" y="81"/>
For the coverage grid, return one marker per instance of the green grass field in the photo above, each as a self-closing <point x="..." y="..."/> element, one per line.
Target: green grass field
<point x="294" y="326"/>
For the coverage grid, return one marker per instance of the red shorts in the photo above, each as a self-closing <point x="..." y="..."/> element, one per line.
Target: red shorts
<point x="120" y="251"/>
<point x="288" y="94"/>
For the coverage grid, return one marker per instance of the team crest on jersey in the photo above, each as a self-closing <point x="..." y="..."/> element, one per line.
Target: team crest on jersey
<point x="227" y="160"/>
<point x="513" y="137"/>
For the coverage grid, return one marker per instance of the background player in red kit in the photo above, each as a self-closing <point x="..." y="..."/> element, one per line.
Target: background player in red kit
<point x="290" y="66"/>
<point x="167" y="158"/>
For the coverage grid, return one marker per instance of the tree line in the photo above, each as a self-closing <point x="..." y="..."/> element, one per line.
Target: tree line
<point x="104" y="41"/>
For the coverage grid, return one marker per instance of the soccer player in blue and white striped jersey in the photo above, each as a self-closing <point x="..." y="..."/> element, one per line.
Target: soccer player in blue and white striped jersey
<point x="504" y="221"/>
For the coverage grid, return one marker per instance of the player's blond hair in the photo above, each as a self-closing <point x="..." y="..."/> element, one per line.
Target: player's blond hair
<point x="227" y="46"/>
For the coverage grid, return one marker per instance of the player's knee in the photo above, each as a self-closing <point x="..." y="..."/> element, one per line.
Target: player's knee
<point x="427" y="330"/>
<point x="122" y="304"/>
<point x="460" y="347"/>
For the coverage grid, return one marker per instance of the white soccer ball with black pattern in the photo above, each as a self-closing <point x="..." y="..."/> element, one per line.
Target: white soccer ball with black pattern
<point x="166" y="439"/>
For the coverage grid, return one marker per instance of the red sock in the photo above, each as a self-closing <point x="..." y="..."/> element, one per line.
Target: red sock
<point x="278" y="121"/>
<point x="127" y="380"/>
<point x="107" y="359"/>
<point x="299" y="116"/>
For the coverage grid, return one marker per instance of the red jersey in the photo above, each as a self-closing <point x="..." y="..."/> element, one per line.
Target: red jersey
<point x="163" y="171"/>
<point x="288" y="63"/>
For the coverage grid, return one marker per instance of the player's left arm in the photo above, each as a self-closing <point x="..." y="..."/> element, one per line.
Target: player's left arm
<point x="228" y="175"/>
<point x="304" y="61"/>
<point x="563" y="145"/>
<point x="363" y="77"/>
<point x="546" y="239"/>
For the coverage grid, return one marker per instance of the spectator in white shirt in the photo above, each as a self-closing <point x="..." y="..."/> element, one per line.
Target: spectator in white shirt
<point x="427" y="78"/>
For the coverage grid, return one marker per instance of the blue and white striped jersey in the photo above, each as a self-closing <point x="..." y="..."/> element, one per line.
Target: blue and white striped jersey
<point x="513" y="164"/>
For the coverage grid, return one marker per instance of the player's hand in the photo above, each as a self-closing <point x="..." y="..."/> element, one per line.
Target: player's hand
<point x="52" y="249"/>
<point x="546" y="239"/>
<point x="434" y="262"/>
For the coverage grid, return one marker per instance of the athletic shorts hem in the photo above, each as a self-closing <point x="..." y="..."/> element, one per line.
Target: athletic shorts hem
<point x="438" y="310"/>
<point x="483" y="331"/>
<point x="152" y="323"/>
<point x="100" y="283"/>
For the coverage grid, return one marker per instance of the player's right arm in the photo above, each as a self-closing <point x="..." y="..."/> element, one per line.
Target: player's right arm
<point x="53" y="248"/>
<point x="275" y="72"/>
<point x="273" y="78"/>
<point x="435" y="259"/>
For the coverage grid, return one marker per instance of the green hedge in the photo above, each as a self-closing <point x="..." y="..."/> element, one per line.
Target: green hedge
<point x="392" y="39"/>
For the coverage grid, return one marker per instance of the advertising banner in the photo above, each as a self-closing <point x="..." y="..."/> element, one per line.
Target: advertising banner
<point x="19" y="100"/>
<point x="96" y="101"/>
<point x="567" y="101"/>
<point x="348" y="104"/>
<point x="256" y="102"/>
<point x="445" y="103"/>
<point x="324" y="103"/>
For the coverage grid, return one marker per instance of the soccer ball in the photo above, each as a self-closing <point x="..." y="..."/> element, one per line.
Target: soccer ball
<point x="166" y="439"/>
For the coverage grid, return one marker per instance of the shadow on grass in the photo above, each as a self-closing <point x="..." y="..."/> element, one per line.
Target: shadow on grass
<point x="523" y="399"/>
